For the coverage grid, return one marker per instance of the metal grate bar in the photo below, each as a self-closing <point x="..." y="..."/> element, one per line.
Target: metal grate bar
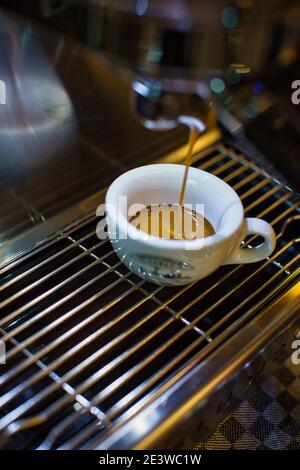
<point x="227" y="276"/>
<point x="259" y="185"/>
<point x="59" y="236"/>
<point x="105" y="393"/>
<point x="59" y="302"/>
<point x="156" y="393"/>
<point x="245" y="180"/>
<point x="277" y="203"/>
<point x="127" y="279"/>
<point x="46" y="278"/>
<point x="286" y="223"/>
<point x="18" y="369"/>
<point x="222" y="151"/>
<point x="81" y="437"/>
<point x="50" y="327"/>
<point x="290" y="209"/>
<point x="42" y="263"/>
<point x="25" y="344"/>
<point x="67" y="335"/>
<point x="84" y="434"/>
<point x="226" y="166"/>
<point x="36" y="420"/>
<point x="111" y="413"/>
<point x="238" y="286"/>
<point x="109" y="367"/>
<point x="139" y="391"/>
<point x="84" y="323"/>
<point x="149" y="384"/>
<point x="79" y="390"/>
<point x="216" y="159"/>
<point x="19" y="411"/>
<point x="159" y="302"/>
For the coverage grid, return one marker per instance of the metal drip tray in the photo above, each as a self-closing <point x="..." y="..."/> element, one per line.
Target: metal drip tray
<point x="98" y="358"/>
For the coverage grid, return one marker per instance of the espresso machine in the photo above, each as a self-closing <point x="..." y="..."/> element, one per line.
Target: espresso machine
<point x="95" y="357"/>
<point x="205" y="58"/>
<point x="171" y="50"/>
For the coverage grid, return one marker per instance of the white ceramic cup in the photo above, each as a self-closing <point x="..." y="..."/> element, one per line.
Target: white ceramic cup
<point x="177" y="262"/>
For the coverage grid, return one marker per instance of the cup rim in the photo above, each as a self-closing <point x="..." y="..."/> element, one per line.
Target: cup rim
<point x="154" y="241"/>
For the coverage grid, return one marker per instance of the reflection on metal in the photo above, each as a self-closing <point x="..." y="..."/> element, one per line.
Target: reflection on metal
<point x="38" y="120"/>
<point x="66" y="131"/>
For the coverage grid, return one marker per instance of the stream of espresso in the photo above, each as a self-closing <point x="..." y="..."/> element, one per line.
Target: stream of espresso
<point x="175" y="222"/>
<point x="193" y="136"/>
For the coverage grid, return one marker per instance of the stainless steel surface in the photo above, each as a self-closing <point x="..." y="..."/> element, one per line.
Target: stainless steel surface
<point x="98" y="358"/>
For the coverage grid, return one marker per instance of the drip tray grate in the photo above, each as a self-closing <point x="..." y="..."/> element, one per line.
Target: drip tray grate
<point x="89" y="343"/>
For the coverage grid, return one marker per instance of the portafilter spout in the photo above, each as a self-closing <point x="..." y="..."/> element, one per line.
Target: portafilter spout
<point x="159" y="109"/>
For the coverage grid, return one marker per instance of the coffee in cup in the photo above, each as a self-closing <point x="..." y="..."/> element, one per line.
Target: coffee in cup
<point x="172" y="222"/>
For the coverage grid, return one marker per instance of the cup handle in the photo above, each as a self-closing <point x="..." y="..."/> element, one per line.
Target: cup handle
<point x="252" y="255"/>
